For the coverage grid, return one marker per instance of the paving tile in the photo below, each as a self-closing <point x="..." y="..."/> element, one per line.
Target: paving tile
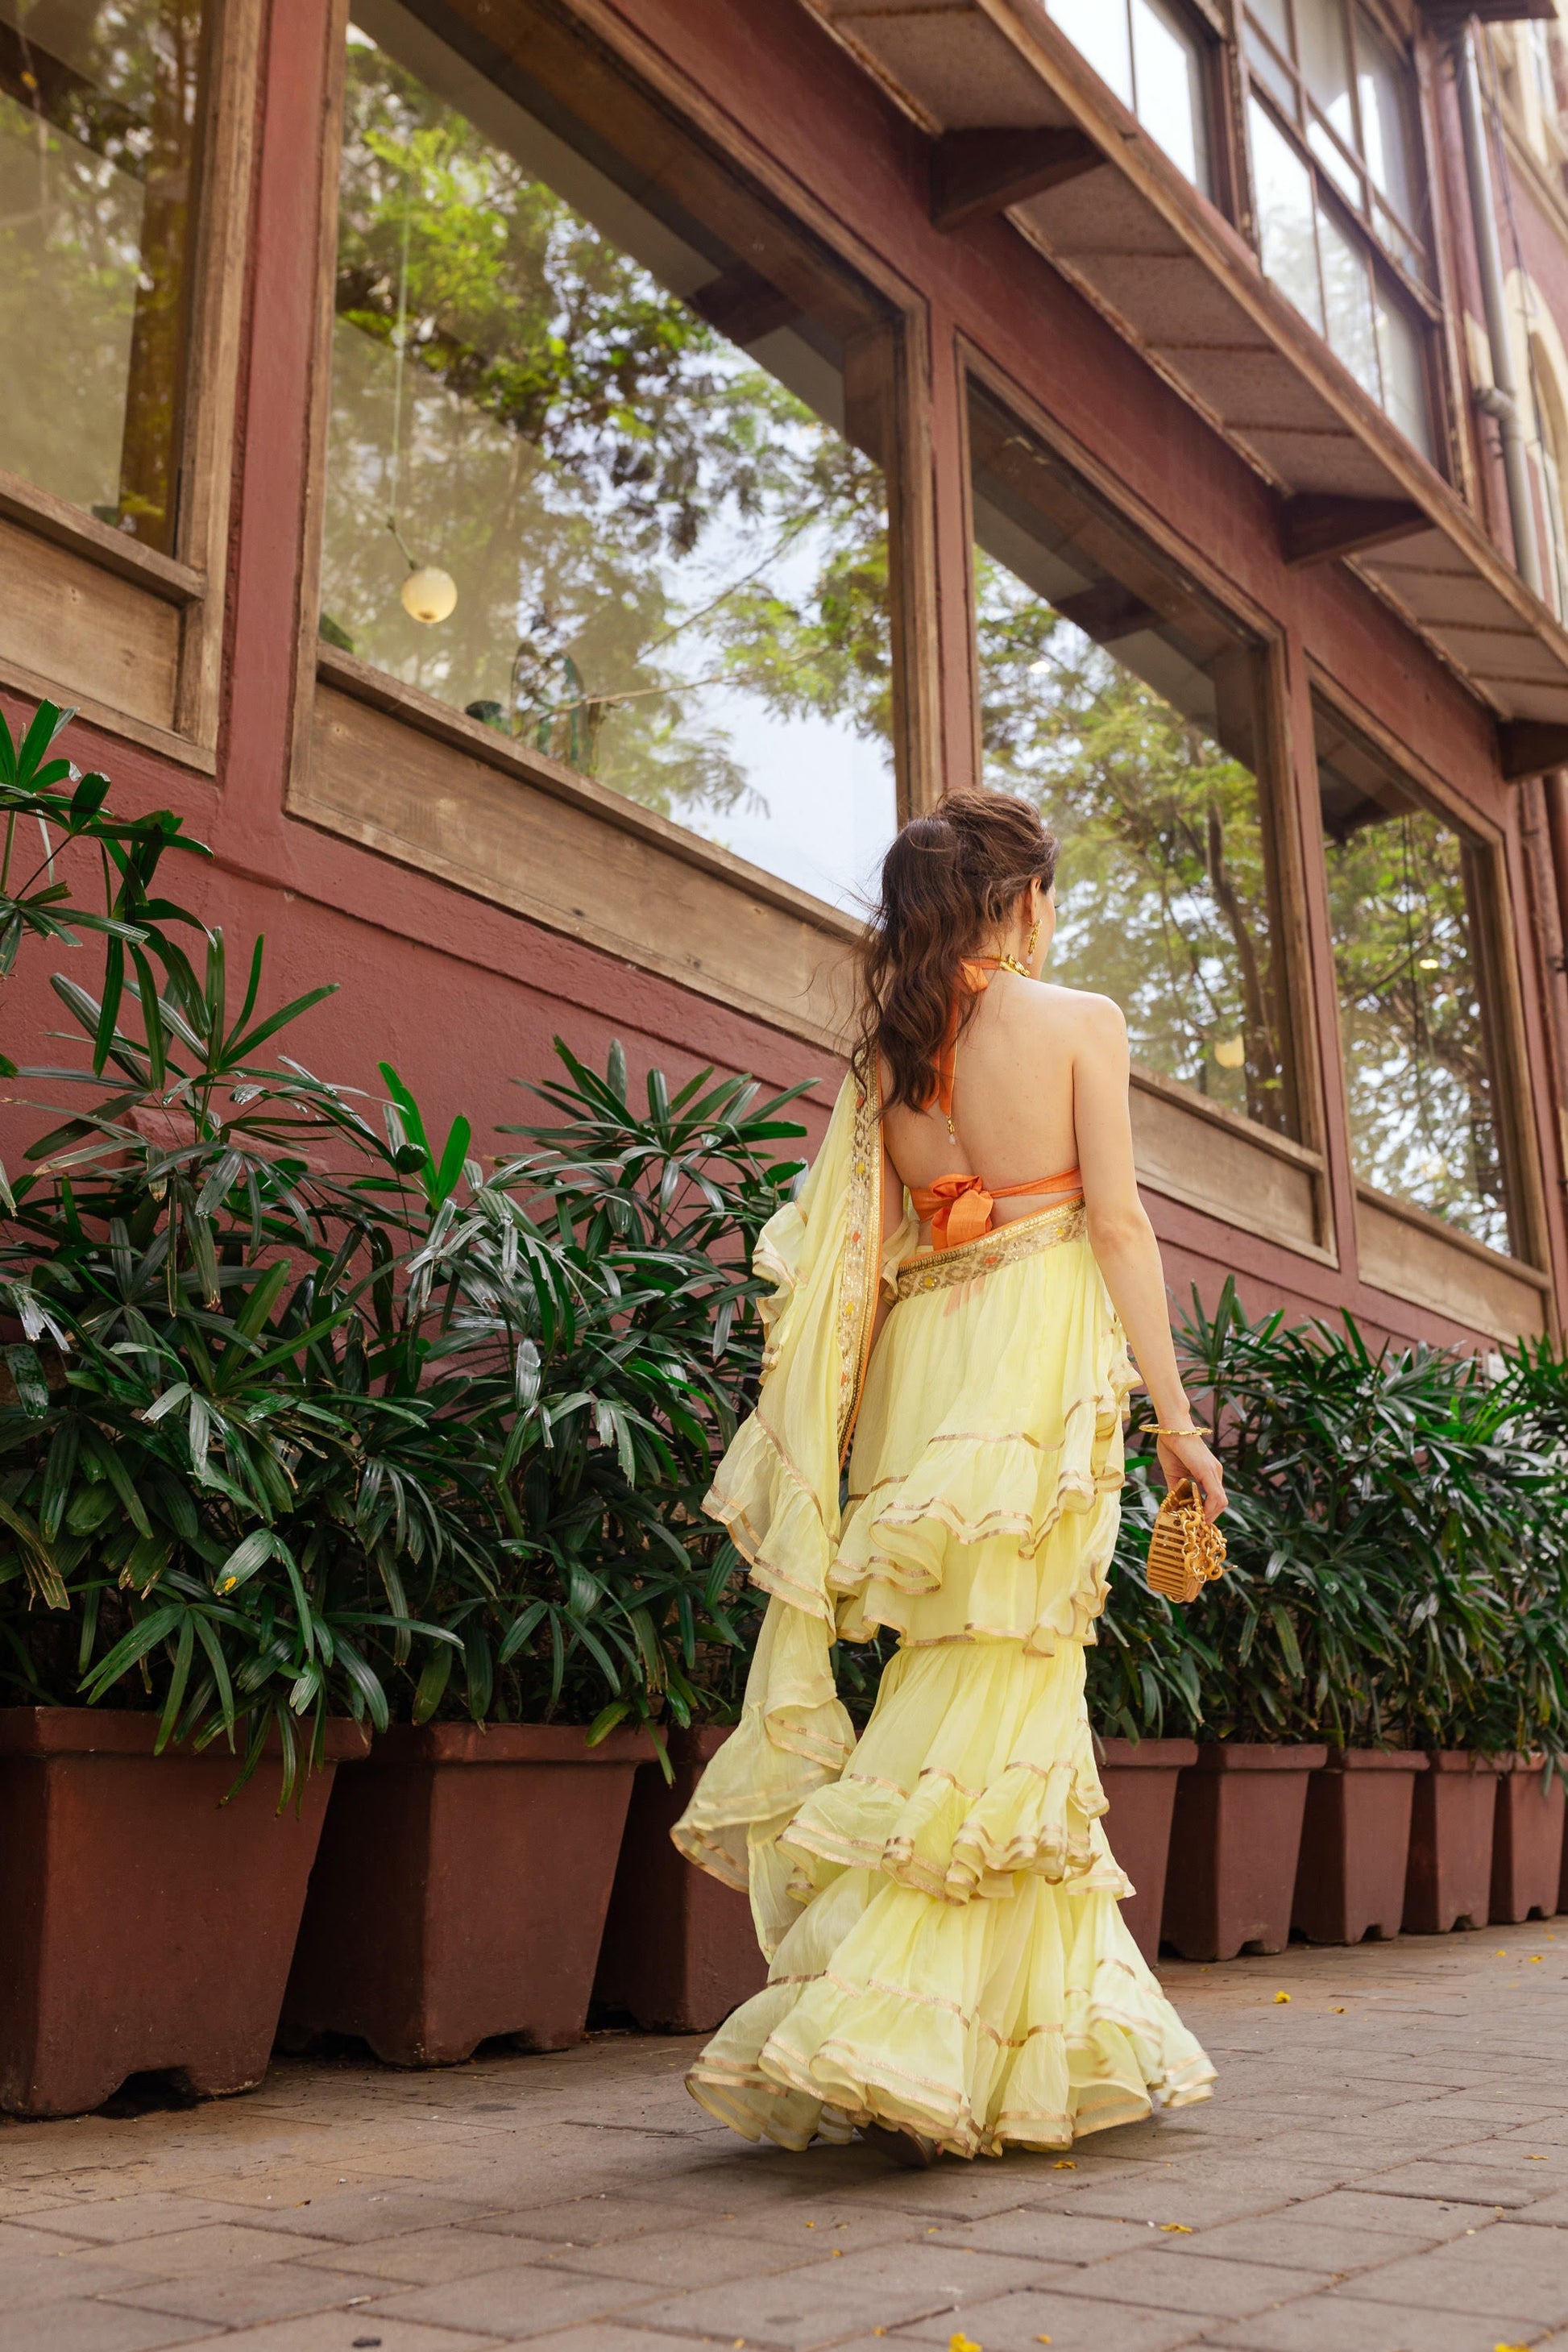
<point x="1064" y="2237"/>
<point x="1401" y="2216"/>
<point x="595" y="2221"/>
<point x="1159" y="2278"/>
<point x="213" y="2245"/>
<point x="359" y="2216"/>
<point x="1298" y="2242"/>
<point x="73" y="2269"/>
<point x="343" y="2331"/>
<point x="252" y="2292"/>
<point x="86" y="2326"/>
<point x="688" y="2258"/>
<point x="820" y="2302"/>
<point x="429" y="2257"/>
<point x="521" y="2300"/>
<point x="145" y="2215"/>
<point x="1015" y="2323"/>
<point x="1339" y="2322"/>
<point x="1200" y="2197"/>
<point x="1454" y="2184"/>
<point x="1501" y="2267"/>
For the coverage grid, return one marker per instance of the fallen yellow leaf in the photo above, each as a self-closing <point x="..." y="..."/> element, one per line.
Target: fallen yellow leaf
<point x="1178" y="2228"/>
<point x="959" y="2342"/>
<point x="1499" y="1955"/>
<point x="1510" y="2347"/>
<point x="1064" y="2164"/>
<point x="1281" y="1996"/>
<point x="1042" y="2339"/>
<point x="1339" y="2012"/>
<point x="1535" y="1957"/>
<point x="838" y="2253"/>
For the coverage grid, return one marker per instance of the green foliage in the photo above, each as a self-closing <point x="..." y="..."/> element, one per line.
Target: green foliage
<point x="311" y="1419"/>
<point x="47" y="810"/>
<point x="1398" y="1574"/>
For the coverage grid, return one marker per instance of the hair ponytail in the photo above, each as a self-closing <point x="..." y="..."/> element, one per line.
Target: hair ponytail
<point x="948" y="881"/>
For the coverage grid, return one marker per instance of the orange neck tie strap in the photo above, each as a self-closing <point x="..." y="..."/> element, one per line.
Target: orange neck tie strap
<point x="974" y="980"/>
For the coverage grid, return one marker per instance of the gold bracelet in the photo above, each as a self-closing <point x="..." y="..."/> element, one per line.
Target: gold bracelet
<point x="1198" y="1429"/>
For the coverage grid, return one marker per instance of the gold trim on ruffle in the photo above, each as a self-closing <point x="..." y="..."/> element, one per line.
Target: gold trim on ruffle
<point x="862" y="1271"/>
<point x="1026" y="1237"/>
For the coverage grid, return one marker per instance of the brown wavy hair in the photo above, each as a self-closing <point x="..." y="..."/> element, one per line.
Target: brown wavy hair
<point x="948" y="881"/>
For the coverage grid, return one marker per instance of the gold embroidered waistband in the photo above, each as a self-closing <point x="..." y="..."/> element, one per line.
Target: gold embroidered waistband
<point x="1026" y="1237"/>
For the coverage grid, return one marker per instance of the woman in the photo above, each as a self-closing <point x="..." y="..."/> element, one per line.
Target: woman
<point x="949" y="1969"/>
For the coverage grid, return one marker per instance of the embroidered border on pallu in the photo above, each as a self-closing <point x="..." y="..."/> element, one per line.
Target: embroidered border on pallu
<point x="862" y="1254"/>
<point x="967" y="1261"/>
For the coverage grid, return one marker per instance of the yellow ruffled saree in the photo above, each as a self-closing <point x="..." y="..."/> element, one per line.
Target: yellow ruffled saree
<point x="937" y="1901"/>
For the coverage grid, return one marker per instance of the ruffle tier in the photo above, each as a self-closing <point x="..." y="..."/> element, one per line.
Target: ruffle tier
<point x="984" y="1482"/>
<point x="1026" y="2017"/>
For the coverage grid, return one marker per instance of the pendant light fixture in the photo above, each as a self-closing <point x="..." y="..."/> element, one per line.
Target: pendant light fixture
<point x="429" y="594"/>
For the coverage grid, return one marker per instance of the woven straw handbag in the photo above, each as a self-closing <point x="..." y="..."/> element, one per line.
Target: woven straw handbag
<point x="1186" y="1552"/>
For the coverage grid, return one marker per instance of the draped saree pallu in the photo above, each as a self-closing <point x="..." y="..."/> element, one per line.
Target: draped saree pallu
<point x="938" y="1903"/>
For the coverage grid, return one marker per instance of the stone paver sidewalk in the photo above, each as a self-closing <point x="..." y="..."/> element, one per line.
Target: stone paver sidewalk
<point x="1385" y="2169"/>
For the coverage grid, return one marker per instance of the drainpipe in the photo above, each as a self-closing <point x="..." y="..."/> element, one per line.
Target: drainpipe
<point x="1501" y="397"/>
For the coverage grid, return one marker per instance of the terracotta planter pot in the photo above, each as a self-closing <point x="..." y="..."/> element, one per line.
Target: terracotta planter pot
<point x="146" y="1926"/>
<point x="460" y="1890"/>
<point x="1527" y="1843"/>
<point x="1234" y="1844"/>
<point x="1140" y="1777"/>
<point x="681" y="1951"/>
<point x="1355" y="1844"/>
<point x="1450" y="1872"/>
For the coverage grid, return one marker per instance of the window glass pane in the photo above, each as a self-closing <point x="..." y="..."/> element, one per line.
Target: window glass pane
<point x="1422" y="1108"/>
<point x="1387" y="140"/>
<point x="1347" y="294"/>
<point x="1168" y="80"/>
<point x="1266" y="64"/>
<point x="1401" y="346"/>
<point x="1322" y="52"/>
<point x="1335" y="163"/>
<point x="1128" y="712"/>
<point x="647" y="474"/>
<point x="1271" y="15"/>
<point x="1099" y="28"/>
<point x="97" y="114"/>
<point x="1284" y="186"/>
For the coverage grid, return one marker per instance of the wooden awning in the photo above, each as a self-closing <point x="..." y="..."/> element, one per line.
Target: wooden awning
<point x="1019" y="122"/>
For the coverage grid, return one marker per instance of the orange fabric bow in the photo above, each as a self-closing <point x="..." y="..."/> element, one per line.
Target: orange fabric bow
<point x="957" y="1208"/>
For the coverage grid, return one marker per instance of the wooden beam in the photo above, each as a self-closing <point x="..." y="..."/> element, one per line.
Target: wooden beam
<point x="1315" y="527"/>
<point x="744" y="305"/>
<point x="1528" y="747"/>
<point x="1106" y="611"/>
<point x="976" y="172"/>
<point x="1443" y="16"/>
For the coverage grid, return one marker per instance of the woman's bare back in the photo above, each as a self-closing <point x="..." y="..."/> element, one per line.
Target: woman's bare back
<point x="1012" y="1097"/>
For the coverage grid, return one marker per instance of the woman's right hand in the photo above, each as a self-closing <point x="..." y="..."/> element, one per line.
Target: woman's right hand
<point x="1189" y="1458"/>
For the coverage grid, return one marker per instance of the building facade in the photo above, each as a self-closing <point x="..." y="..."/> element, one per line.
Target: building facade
<point x="546" y="486"/>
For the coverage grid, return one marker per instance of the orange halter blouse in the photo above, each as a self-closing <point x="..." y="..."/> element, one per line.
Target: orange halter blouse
<point x="958" y="1208"/>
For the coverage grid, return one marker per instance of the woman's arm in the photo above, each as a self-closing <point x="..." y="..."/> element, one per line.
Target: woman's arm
<point x="1123" y="1240"/>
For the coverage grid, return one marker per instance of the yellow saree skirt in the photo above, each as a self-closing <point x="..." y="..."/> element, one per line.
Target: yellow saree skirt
<point x="959" y="1965"/>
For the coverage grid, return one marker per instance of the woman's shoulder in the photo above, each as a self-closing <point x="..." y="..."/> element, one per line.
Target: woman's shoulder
<point x="1081" y="1009"/>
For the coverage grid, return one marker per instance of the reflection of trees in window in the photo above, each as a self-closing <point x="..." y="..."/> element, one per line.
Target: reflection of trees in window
<point x="661" y="551"/>
<point x="97" y="129"/>
<point x="1127" y="713"/>
<point x="1422" y="1112"/>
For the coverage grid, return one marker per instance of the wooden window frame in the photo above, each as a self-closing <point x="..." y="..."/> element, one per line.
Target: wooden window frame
<point x="132" y="638"/>
<point x="1403" y="1249"/>
<point x="1193" y="1150"/>
<point x="739" y="934"/>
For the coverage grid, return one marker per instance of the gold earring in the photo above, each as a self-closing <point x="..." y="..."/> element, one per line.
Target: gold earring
<point x="1034" y="941"/>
